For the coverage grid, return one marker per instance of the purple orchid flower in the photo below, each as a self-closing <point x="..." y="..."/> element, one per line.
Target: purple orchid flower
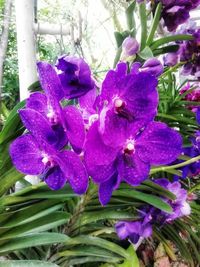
<point x="188" y="53"/>
<point x="124" y="99"/>
<point x="151" y="215"/>
<point x="67" y="122"/>
<point x="176" y="12"/>
<point x="35" y="153"/>
<point x="75" y="76"/>
<point x="192" y="169"/>
<point x="130" y="160"/>
<point x="180" y="205"/>
<point x="134" y="230"/>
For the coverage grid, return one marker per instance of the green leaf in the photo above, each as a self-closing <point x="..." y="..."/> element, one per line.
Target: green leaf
<point x="154" y="24"/>
<point x="146" y="53"/>
<point x="117" y="56"/>
<point x="133" y="259"/>
<point x="161" y="191"/>
<point x="8" y="179"/>
<point x="147" y="198"/>
<point x="166" y="49"/>
<point x="42" y="224"/>
<point x="89" y="251"/>
<point x="130" y="17"/>
<point x="99" y="242"/>
<point x="32" y="240"/>
<point x="12" y="123"/>
<point x="26" y="263"/>
<point x="103" y="214"/>
<point x="119" y="38"/>
<point x="171" y="38"/>
<point x="30" y="213"/>
<point x="143" y="23"/>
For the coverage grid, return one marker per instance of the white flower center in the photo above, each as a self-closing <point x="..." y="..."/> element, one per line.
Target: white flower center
<point x="45" y="159"/>
<point x="130" y="145"/>
<point x="93" y="118"/>
<point x="118" y="103"/>
<point x="50" y="114"/>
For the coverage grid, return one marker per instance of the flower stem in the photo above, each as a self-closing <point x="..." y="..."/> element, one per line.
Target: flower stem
<point x="182" y="164"/>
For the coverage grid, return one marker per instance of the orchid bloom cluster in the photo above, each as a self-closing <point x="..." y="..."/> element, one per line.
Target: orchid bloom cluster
<point x="108" y="134"/>
<point x="174" y="12"/>
<point x="114" y="131"/>
<point x="192" y="169"/>
<point x="188" y="53"/>
<point x="134" y="230"/>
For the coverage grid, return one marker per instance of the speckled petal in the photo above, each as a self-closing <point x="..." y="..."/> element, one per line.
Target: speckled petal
<point x="113" y="128"/>
<point x="50" y="82"/>
<point x="75" y="172"/>
<point x="38" y="126"/>
<point x="132" y="170"/>
<point x="38" y="102"/>
<point x="74" y="128"/>
<point x="26" y="155"/>
<point x="96" y="152"/>
<point x="55" y="178"/>
<point x="159" y="144"/>
<point x="106" y="188"/>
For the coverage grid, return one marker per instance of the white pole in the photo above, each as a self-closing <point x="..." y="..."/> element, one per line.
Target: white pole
<point x="52" y="29"/>
<point x="26" y="56"/>
<point x="25" y="45"/>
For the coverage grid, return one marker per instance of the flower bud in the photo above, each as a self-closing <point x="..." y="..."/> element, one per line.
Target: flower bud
<point x="130" y="47"/>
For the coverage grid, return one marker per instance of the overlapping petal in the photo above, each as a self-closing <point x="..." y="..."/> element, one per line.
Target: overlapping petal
<point x="158" y="144"/>
<point x="132" y="169"/>
<point x="75" y="171"/>
<point x="74" y="128"/>
<point x="26" y="155"/>
<point x="38" y="126"/>
<point x="106" y="188"/>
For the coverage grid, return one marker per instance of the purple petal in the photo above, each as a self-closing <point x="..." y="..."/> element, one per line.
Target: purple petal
<point x="100" y="173"/>
<point x="159" y="144"/>
<point x="55" y="178"/>
<point x="26" y="155"/>
<point x="96" y="152"/>
<point x="110" y="86"/>
<point x="121" y="229"/>
<point x="75" y="76"/>
<point x="74" y="128"/>
<point x="135" y="67"/>
<point x="113" y="128"/>
<point x="132" y="170"/>
<point x="50" y="82"/>
<point x="87" y="101"/>
<point x="198" y="115"/>
<point x="38" y="102"/>
<point x="75" y="171"/>
<point x="38" y="126"/>
<point x="106" y="188"/>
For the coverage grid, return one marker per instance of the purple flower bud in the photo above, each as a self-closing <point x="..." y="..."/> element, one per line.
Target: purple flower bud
<point x="152" y="66"/>
<point x="171" y="59"/>
<point x="130" y="47"/>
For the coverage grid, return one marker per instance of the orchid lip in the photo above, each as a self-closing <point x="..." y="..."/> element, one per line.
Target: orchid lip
<point x="130" y="147"/>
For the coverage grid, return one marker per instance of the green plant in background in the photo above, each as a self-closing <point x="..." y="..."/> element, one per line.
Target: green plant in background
<point x="43" y="227"/>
